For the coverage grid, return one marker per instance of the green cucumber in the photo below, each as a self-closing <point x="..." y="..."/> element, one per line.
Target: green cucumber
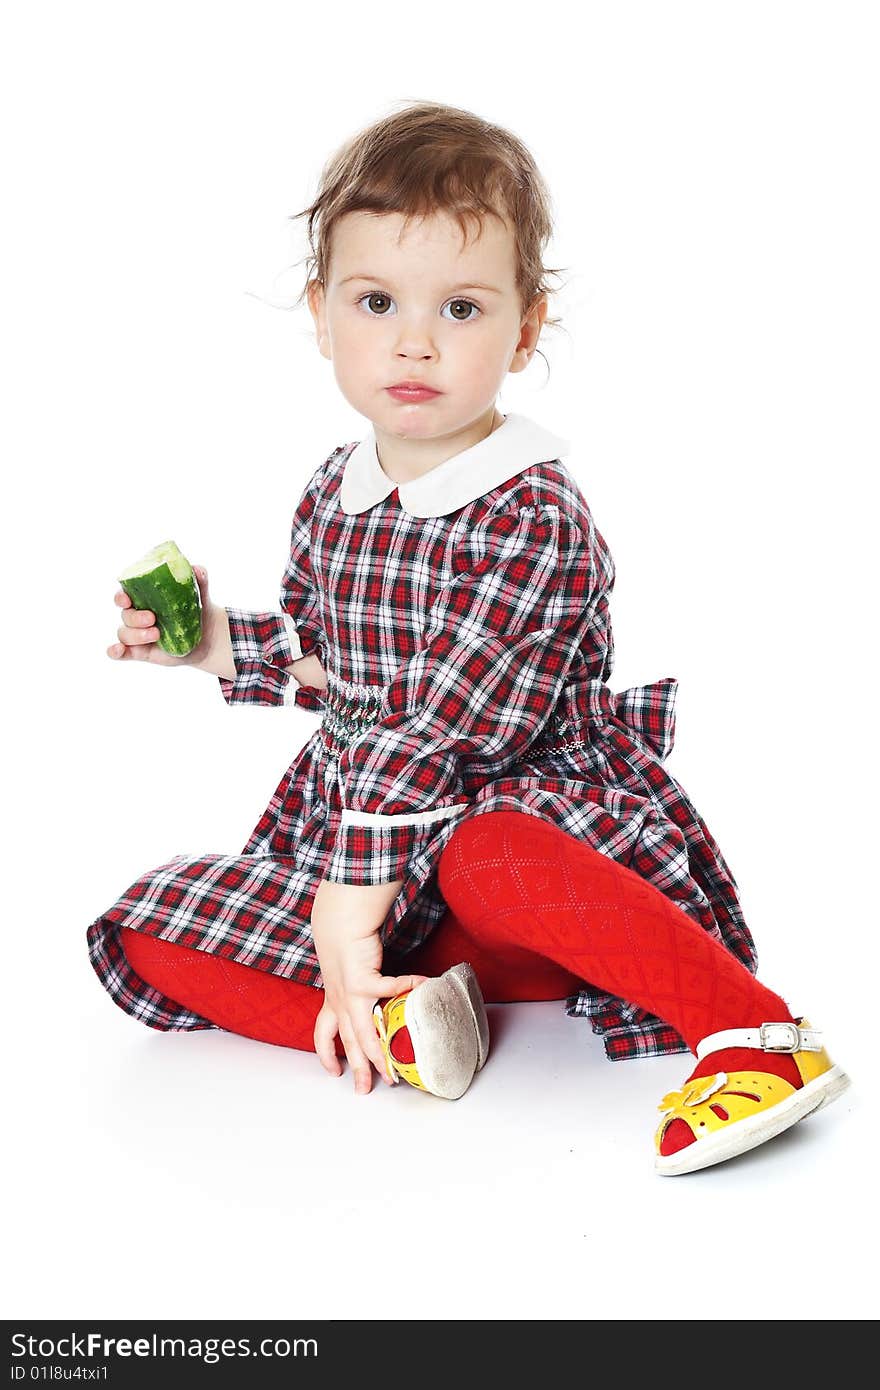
<point x="164" y="583"/>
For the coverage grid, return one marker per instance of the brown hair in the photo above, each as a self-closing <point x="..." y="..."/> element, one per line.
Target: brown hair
<point x="431" y="157"/>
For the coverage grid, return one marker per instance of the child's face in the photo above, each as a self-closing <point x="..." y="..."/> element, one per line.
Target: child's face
<point x="415" y="313"/>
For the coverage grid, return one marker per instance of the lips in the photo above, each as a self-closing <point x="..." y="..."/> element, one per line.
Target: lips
<point x="412" y="391"/>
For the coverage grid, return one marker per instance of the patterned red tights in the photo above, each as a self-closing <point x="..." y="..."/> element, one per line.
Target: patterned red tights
<point x="536" y="912"/>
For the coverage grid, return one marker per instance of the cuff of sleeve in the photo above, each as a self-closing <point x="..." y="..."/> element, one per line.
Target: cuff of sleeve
<point x="372" y="848"/>
<point x="263" y="646"/>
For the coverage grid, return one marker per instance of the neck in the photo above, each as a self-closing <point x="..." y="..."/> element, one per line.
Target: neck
<point x="406" y="459"/>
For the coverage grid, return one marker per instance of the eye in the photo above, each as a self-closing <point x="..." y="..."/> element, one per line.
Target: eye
<point x="380" y="298"/>
<point x="373" y="295"/>
<point x="463" y="304"/>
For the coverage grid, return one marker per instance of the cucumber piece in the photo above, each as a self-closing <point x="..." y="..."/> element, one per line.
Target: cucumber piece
<point x="164" y="583"/>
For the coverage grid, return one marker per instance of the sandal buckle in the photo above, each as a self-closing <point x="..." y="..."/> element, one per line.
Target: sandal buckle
<point x="780" y="1037"/>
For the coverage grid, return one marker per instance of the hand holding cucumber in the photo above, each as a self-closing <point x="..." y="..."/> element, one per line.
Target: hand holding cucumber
<point x="166" y="614"/>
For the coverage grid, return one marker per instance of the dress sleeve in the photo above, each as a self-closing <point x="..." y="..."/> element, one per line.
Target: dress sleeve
<point x="265" y="644"/>
<point x="498" y="643"/>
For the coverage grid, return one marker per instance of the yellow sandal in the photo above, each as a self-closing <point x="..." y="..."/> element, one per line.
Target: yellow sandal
<point x="731" y="1113"/>
<point x="448" y="1029"/>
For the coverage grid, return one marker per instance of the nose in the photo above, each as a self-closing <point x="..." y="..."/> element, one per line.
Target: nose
<point x="414" y="338"/>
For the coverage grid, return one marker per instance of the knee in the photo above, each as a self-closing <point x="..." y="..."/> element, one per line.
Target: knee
<point x="486" y="831"/>
<point x="484" y="841"/>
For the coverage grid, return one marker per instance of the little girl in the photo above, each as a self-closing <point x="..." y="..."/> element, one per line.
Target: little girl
<point x="475" y="792"/>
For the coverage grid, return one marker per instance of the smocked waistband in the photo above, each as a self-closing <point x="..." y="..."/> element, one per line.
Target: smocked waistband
<point x="647" y="711"/>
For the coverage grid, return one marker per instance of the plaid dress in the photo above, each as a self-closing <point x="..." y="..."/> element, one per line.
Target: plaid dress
<point x="462" y="621"/>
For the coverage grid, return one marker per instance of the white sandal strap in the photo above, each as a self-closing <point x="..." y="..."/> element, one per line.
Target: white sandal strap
<point x="770" y="1037"/>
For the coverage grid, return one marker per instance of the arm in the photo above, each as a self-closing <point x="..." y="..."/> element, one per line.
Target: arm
<point x="219" y="658"/>
<point x="214" y="653"/>
<point x="266" y="649"/>
<point x="345" y="927"/>
<point x="267" y="658"/>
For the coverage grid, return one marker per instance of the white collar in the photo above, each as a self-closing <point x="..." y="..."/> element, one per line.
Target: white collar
<point x="516" y="445"/>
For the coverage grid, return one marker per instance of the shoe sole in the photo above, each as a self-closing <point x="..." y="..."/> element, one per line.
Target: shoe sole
<point x="449" y="1031"/>
<point x="757" y="1129"/>
<point x="463" y="976"/>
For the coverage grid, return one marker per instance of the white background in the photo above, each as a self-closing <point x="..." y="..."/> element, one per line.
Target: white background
<point x="713" y="170"/>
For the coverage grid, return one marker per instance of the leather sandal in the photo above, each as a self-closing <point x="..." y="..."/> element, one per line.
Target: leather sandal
<point x="731" y="1113"/>
<point x="448" y="1029"/>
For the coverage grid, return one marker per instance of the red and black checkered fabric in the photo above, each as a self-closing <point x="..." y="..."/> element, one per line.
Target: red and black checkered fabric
<point x="467" y="659"/>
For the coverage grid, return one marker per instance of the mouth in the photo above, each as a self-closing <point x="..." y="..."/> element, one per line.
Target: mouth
<point x="412" y="391"/>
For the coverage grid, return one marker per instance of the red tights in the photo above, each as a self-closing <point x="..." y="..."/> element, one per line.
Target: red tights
<point x="537" y="913"/>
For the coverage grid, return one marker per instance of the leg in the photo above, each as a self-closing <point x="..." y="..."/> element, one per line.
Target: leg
<point x="506" y="975"/>
<point x="258" y="1005"/>
<point x="236" y="997"/>
<point x="242" y="999"/>
<point x="515" y="879"/>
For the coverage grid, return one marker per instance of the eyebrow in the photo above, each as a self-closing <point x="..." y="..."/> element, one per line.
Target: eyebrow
<point x="471" y="284"/>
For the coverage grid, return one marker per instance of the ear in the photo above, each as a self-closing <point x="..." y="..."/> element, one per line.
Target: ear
<point x="318" y="310"/>
<point x="529" y="333"/>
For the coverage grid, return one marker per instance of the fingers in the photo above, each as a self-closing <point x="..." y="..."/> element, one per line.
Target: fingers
<point x="360" y="1040"/>
<point x="365" y="1028"/>
<point x="326" y="1029"/>
<point x="357" y="1059"/>
<point x="389" y="985"/>
<point x="138" y="628"/>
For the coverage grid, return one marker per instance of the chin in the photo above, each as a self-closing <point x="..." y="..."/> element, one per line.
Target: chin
<point x="408" y="423"/>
